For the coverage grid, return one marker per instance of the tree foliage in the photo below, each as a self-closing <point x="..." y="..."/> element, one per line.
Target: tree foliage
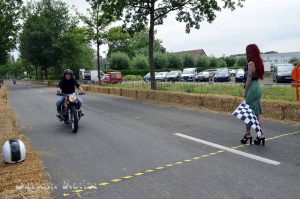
<point x="203" y="62"/>
<point x="294" y="60"/>
<point x="50" y="38"/>
<point x="9" y="26"/>
<point x="175" y="61"/>
<point x="138" y="14"/>
<point x="133" y="44"/>
<point x="241" y="61"/>
<point x="160" y="60"/>
<point x="230" y="60"/>
<point x="119" y="61"/>
<point x="188" y="61"/>
<point x="139" y="62"/>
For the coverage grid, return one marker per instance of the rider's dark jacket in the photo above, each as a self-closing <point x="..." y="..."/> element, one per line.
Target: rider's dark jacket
<point x="68" y="86"/>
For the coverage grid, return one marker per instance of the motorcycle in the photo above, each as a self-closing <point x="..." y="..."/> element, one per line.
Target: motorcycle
<point x="14" y="81"/>
<point x="70" y="114"/>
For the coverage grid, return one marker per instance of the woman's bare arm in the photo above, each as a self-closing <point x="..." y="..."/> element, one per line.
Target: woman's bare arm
<point x="251" y="70"/>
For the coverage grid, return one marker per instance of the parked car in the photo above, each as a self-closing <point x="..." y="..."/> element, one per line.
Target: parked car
<point x="174" y="75"/>
<point x="203" y="76"/>
<point x="222" y="75"/>
<point x="112" y="78"/>
<point x="146" y="78"/>
<point x="161" y="76"/>
<point x="282" y="73"/>
<point x="232" y="72"/>
<point x="239" y="76"/>
<point x="212" y="72"/>
<point x="189" y="74"/>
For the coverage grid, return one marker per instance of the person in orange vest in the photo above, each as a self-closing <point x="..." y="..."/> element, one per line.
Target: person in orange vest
<point x="296" y="79"/>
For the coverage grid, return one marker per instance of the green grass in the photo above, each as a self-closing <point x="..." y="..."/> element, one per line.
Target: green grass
<point x="281" y="93"/>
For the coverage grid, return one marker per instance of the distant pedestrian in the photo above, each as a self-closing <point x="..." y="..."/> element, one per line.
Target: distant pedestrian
<point x="252" y="93"/>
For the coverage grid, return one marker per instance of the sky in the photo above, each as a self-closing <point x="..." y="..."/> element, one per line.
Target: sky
<point x="271" y="24"/>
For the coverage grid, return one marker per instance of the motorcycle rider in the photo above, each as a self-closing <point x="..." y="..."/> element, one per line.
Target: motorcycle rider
<point x="14" y="79"/>
<point x="67" y="86"/>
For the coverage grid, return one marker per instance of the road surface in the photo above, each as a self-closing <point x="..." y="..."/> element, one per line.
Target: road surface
<point x="131" y="149"/>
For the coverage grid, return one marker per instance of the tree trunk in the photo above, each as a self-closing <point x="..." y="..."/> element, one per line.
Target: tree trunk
<point x="41" y="73"/>
<point x="98" y="46"/>
<point x="151" y="40"/>
<point x="46" y="72"/>
<point x="36" y="73"/>
<point x="98" y="60"/>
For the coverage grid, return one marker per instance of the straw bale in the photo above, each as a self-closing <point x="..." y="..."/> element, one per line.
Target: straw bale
<point x="142" y="94"/>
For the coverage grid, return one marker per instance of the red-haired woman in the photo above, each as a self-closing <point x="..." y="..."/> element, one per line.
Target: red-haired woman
<point x="252" y="93"/>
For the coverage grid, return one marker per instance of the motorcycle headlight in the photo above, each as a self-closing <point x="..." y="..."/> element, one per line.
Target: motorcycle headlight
<point x="72" y="98"/>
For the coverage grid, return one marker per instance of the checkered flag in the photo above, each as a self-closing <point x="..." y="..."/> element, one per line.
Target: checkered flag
<point x="246" y="114"/>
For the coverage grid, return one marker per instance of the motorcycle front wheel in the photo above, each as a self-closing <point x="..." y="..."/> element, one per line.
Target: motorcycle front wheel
<point x="74" y="120"/>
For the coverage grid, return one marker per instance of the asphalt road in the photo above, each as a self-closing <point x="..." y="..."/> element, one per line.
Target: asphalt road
<point x="127" y="149"/>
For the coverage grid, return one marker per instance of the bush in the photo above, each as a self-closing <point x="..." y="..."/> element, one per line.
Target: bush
<point x="160" y="60"/>
<point x="188" y="61"/>
<point x="174" y="61"/>
<point x="213" y="62"/>
<point x="222" y="63"/>
<point x="203" y="62"/>
<point x="119" y="61"/>
<point x="241" y="61"/>
<point x="132" y="78"/>
<point x="230" y="61"/>
<point x="139" y="62"/>
<point x="294" y="60"/>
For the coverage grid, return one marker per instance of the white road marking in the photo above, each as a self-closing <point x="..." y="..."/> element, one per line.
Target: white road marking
<point x="248" y="155"/>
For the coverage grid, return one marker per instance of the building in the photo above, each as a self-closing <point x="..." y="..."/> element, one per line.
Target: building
<point x="196" y="53"/>
<point x="279" y="58"/>
<point x="270" y="59"/>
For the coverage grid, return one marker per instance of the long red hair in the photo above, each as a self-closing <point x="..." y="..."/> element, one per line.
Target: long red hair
<point x="253" y="54"/>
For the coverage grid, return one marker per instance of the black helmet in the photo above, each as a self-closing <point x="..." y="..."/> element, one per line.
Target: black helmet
<point x="68" y="71"/>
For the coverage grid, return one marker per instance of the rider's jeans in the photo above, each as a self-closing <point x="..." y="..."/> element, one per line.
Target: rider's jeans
<point x="60" y="101"/>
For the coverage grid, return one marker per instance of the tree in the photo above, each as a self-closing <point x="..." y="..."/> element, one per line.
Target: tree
<point x="133" y="44"/>
<point x="40" y="40"/>
<point x="160" y="60"/>
<point x="202" y="62"/>
<point x="294" y="60"/>
<point x="76" y="49"/>
<point x="51" y="40"/>
<point x="119" y="61"/>
<point x="175" y="61"/>
<point x="10" y="25"/>
<point x="139" y="62"/>
<point x="138" y="14"/>
<point x="118" y="40"/>
<point x="188" y="61"/>
<point x="241" y="61"/>
<point x="140" y="43"/>
<point x="98" y="25"/>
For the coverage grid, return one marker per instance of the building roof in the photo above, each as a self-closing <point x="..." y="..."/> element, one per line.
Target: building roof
<point x="197" y="52"/>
